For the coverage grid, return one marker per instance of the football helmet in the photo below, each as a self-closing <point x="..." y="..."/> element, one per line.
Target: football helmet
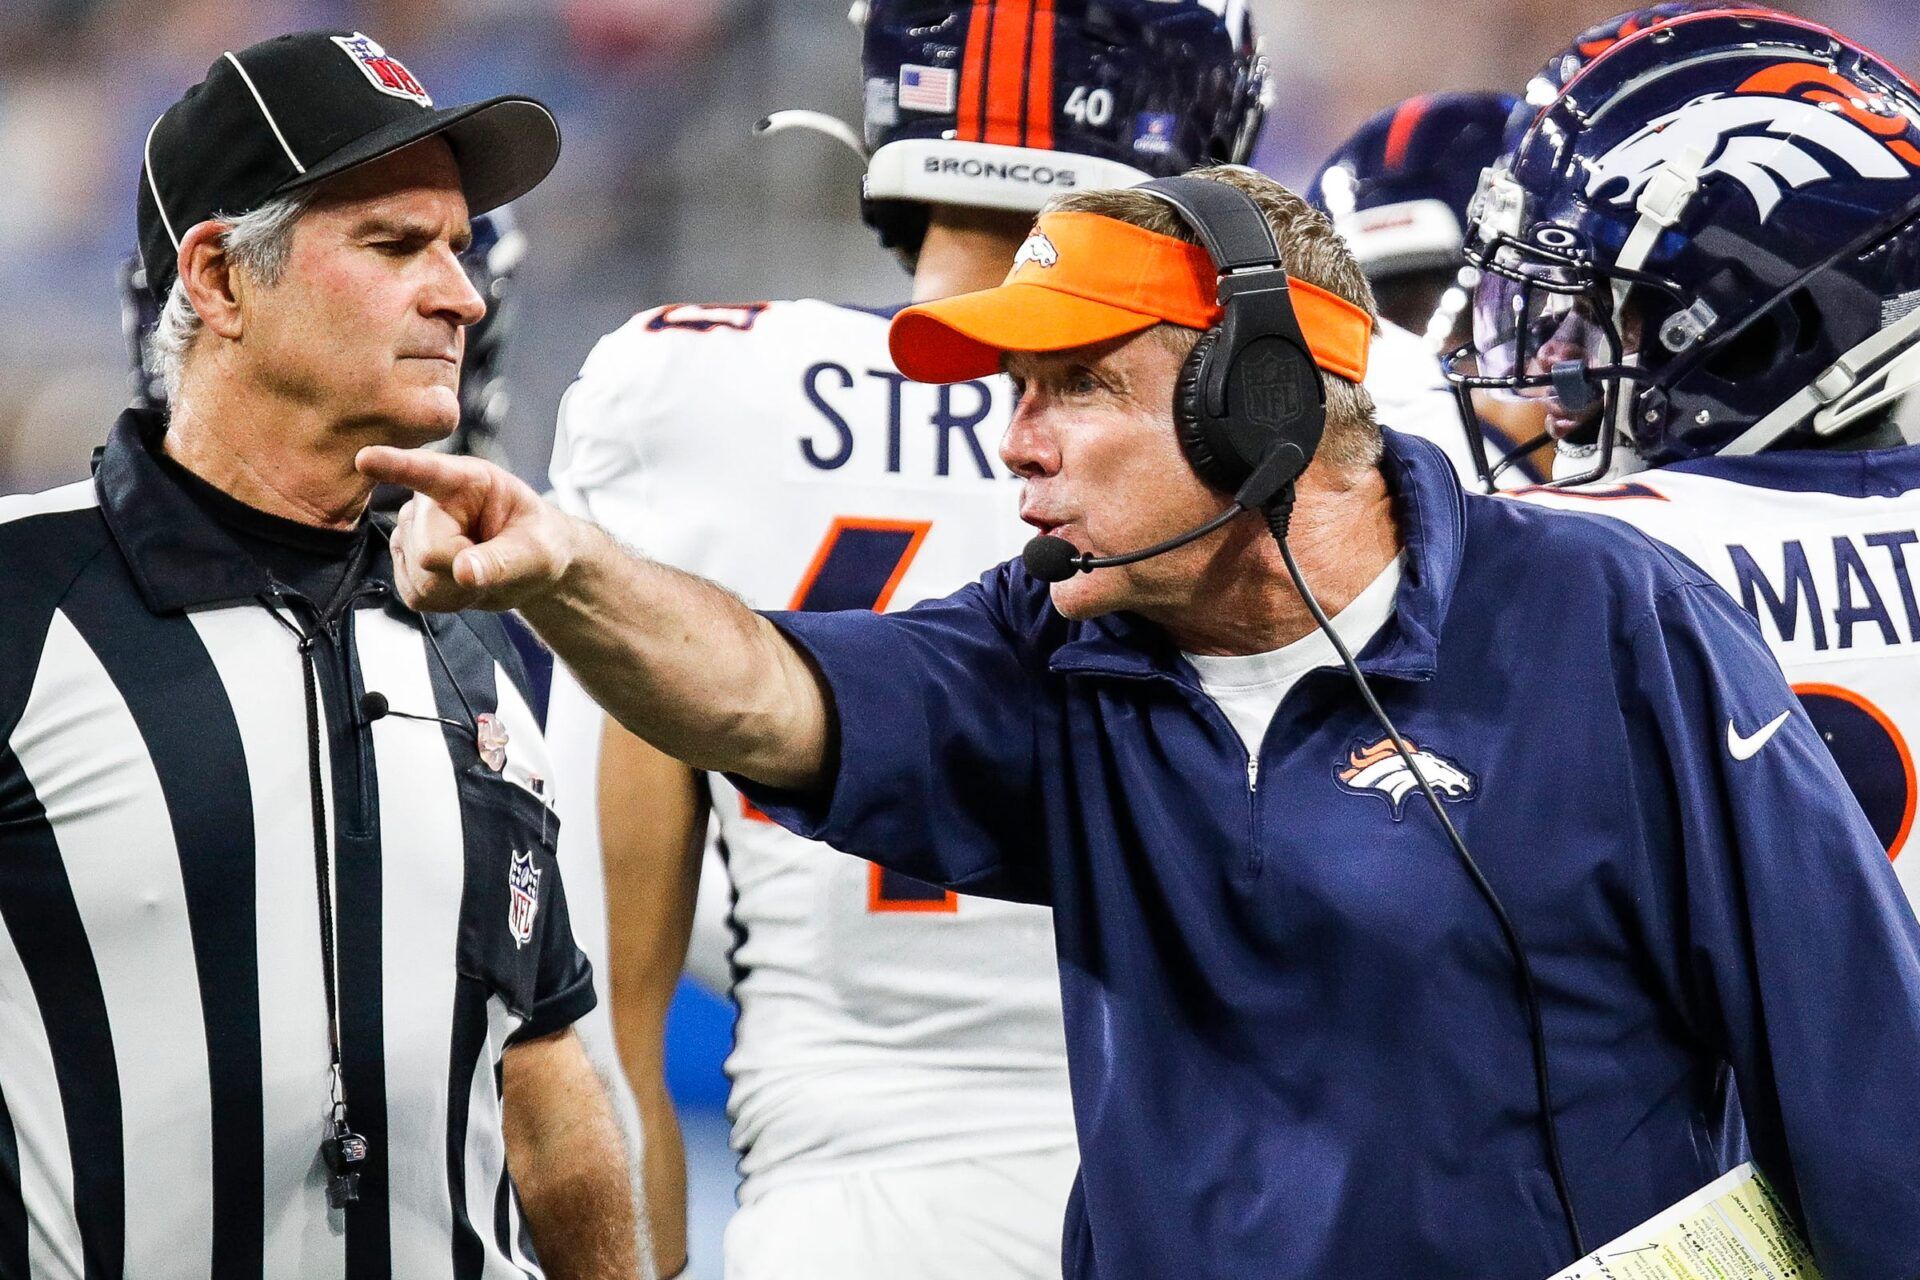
<point x="492" y="260"/>
<point x="1708" y="243"/>
<point x="139" y="316"/>
<point x="1004" y="104"/>
<point x="1398" y="190"/>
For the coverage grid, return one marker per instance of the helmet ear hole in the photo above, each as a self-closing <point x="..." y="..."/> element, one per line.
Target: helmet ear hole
<point x="1749" y="355"/>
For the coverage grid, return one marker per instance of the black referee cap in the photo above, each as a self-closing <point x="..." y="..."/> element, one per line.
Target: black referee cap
<point x="293" y="110"/>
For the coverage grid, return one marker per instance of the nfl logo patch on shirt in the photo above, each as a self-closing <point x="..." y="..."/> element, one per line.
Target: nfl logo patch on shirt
<point x="523" y="898"/>
<point x="383" y="71"/>
<point x="1153" y="133"/>
<point x="927" y="88"/>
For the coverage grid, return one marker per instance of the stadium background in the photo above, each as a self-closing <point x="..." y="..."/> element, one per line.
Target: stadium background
<point x="663" y="194"/>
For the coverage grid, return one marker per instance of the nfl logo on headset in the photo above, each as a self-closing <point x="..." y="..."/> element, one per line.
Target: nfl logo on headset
<point x="523" y="897"/>
<point x="1272" y="399"/>
<point x="383" y="71"/>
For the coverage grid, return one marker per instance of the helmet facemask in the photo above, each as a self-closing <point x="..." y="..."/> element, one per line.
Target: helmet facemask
<point x="1555" y="330"/>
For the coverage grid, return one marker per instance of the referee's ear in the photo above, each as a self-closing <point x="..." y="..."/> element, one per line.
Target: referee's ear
<point x="206" y="272"/>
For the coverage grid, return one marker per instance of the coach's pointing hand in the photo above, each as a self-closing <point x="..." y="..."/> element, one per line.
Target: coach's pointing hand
<point x="679" y="661"/>
<point x="473" y="536"/>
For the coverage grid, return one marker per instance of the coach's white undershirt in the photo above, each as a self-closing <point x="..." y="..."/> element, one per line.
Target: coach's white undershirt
<point x="1249" y="687"/>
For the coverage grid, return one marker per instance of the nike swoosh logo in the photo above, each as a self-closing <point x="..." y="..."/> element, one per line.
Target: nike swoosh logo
<point x="1745" y="748"/>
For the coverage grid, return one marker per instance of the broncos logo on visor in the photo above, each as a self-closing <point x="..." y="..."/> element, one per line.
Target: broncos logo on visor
<point x="1377" y="769"/>
<point x="1787" y="124"/>
<point x="1037" y="248"/>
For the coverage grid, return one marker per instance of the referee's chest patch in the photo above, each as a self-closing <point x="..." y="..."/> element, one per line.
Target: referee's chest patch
<point x="523" y="897"/>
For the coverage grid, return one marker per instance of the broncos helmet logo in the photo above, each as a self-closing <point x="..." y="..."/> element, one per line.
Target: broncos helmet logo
<point x="1783" y="127"/>
<point x="1378" y="769"/>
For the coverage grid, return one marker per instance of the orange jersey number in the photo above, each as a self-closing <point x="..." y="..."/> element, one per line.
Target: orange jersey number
<point x="858" y="566"/>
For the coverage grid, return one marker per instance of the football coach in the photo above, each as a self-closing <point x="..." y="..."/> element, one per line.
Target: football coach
<point x="286" y="976"/>
<point x="1309" y="1034"/>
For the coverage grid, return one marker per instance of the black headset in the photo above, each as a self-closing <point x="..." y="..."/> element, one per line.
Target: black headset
<point x="1249" y="398"/>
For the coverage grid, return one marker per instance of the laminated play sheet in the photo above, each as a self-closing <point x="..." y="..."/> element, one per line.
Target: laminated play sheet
<point x="1734" y="1228"/>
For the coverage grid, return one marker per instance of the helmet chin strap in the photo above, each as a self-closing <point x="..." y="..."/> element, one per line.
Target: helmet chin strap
<point x="1576" y="462"/>
<point x="814" y="122"/>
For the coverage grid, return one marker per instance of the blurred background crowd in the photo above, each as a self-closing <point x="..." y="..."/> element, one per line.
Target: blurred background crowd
<point x="663" y="194"/>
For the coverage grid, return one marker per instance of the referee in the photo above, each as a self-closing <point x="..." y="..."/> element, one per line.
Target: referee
<point x="286" y="975"/>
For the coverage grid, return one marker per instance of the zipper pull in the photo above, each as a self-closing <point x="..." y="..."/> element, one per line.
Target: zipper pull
<point x="1253" y="773"/>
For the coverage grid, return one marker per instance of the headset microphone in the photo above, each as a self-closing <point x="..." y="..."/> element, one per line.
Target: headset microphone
<point x="1052" y="559"/>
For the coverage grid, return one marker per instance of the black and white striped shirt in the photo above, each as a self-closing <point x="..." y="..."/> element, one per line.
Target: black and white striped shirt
<point x="164" y="1079"/>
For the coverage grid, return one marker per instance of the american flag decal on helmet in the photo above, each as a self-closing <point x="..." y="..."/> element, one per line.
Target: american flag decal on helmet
<point x="383" y="71"/>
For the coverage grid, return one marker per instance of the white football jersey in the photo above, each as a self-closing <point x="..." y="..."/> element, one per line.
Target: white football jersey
<point x="1823" y="549"/>
<point x="775" y="450"/>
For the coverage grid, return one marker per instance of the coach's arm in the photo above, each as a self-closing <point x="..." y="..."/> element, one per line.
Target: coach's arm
<point x="678" y="660"/>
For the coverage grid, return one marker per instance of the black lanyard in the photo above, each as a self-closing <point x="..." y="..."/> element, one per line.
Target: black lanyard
<point x="343" y="1150"/>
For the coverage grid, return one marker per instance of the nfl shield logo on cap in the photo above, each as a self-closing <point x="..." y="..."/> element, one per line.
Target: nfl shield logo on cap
<point x="382" y="70"/>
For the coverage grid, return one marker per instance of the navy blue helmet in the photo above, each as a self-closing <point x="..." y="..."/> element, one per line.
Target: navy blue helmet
<point x="491" y="260"/>
<point x="1006" y="103"/>
<point x="1709" y="243"/>
<point x="1398" y="189"/>
<point x="1544" y="87"/>
<point x="139" y="316"/>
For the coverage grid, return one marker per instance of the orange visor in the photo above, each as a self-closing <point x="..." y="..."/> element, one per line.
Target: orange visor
<point x="1081" y="278"/>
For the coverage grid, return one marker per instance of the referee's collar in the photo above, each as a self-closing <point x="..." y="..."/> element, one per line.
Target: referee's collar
<point x="179" y="556"/>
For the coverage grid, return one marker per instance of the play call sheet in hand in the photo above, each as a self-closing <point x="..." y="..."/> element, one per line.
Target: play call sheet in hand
<point x="1731" y="1229"/>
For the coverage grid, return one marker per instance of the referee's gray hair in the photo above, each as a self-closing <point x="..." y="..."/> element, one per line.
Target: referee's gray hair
<point x="259" y="242"/>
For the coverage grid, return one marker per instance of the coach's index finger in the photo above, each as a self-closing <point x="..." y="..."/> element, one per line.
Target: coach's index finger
<point x="443" y="478"/>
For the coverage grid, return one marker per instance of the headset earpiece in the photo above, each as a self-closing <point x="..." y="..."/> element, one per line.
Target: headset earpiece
<point x="1191" y="422"/>
<point x="1250" y="386"/>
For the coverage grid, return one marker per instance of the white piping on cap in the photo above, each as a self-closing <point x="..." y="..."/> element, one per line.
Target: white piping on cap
<point x="146" y="155"/>
<point x="271" y="122"/>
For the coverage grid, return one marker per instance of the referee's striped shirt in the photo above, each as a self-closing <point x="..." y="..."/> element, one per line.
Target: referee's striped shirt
<point x="163" y="1039"/>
